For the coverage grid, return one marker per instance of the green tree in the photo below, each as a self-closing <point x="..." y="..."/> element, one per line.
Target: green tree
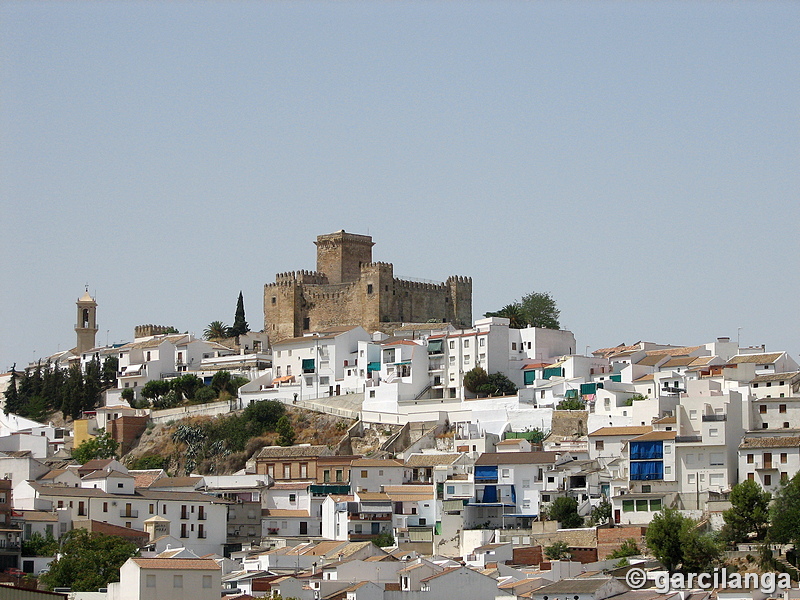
<point x="497" y="384"/>
<point x="558" y="551"/>
<point x="565" y="511"/>
<point x="785" y="513"/>
<point x="186" y="386"/>
<point x="109" y="372"/>
<point x="571" y="404"/>
<point x="216" y="330"/>
<point x="512" y="312"/>
<point x="265" y="413"/>
<point x="240" y="326"/>
<point x="205" y="394"/>
<point x="127" y="395"/>
<point x="155" y="389"/>
<point x="39" y="545"/>
<point x="383" y="539"/>
<point x="475" y="378"/>
<point x="285" y="431"/>
<point x="221" y="381"/>
<point x="88" y="561"/>
<point x="675" y="541"/>
<point x="100" y="446"/>
<point x="626" y="549"/>
<point x="12" y="395"/>
<point x="537" y="309"/>
<point x="749" y="513"/>
<point x="601" y="513"/>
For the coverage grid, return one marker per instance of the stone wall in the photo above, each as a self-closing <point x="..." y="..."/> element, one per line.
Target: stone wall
<point x="612" y="538"/>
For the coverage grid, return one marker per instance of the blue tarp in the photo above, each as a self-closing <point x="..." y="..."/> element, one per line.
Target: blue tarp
<point x="647" y="470"/>
<point x="647" y="450"/>
<point x="486" y="473"/>
<point x="490" y="493"/>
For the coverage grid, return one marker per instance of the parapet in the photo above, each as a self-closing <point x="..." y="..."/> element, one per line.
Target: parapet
<point x="141" y="331"/>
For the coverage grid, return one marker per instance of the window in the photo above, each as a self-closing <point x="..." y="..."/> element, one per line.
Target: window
<point x="668" y="447"/>
<point x="152" y="509"/>
<point x="482" y="342"/>
<point x="784" y="456"/>
<point x="513" y="345"/>
<point x="151" y="581"/>
<point x="363" y="473"/>
<point x="466" y="358"/>
<point x="716" y="459"/>
<point x="693" y="414"/>
<point x="292" y="498"/>
<point x="667" y="470"/>
<point x="287" y="471"/>
<point x="767" y="479"/>
<point x="751" y="476"/>
<point x="786" y="424"/>
<point x="782" y="408"/>
<point x="452" y="345"/>
<point x="784" y="476"/>
<point x="177" y="581"/>
<point x="691" y="478"/>
<point x="372" y="393"/>
<point x="466" y="343"/>
<point x="339" y="475"/>
<point x="369" y="288"/>
<point x="713" y="432"/>
<point x="105" y="506"/>
<point x="278" y="371"/>
<point x="303" y="470"/>
<point x="646" y="489"/>
<point x="326" y="476"/>
<point x="526" y="483"/>
<point x="274" y="299"/>
<point x="207" y="581"/>
<point x="505" y="472"/>
<point x="627" y="506"/>
<point x="451" y="489"/>
<point x="599" y="445"/>
<point x="762" y="408"/>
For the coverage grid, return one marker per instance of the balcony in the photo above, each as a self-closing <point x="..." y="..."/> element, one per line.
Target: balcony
<point x="184" y="514"/>
<point x="131" y="514"/>
<point x="707" y="418"/>
<point x="202" y="516"/>
<point x="767" y="466"/>
<point x="369" y="517"/>
<point x="272" y="531"/>
<point x="688" y="439"/>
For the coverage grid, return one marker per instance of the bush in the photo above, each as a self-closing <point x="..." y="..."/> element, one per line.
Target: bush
<point x="149" y="461"/>
<point x="205" y="395"/>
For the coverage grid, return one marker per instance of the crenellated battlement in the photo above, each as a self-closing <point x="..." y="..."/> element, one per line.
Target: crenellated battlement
<point x="302" y="276"/>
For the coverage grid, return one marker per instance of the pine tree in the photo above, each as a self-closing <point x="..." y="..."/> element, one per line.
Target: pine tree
<point x="240" y="326"/>
<point x="12" y="396"/>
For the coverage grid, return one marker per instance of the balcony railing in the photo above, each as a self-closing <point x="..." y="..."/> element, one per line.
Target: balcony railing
<point x="715" y="417"/>
<point x="688" y="439"/>
<point x="369" y="517"/>
<point x="133" y="514"/>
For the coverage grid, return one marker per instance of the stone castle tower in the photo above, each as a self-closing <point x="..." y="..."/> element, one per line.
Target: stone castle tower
<point x="347" y="288"/>
<point x="86" y="324"/>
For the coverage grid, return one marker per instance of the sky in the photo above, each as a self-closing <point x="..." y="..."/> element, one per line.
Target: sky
<point x="640" y="161"/>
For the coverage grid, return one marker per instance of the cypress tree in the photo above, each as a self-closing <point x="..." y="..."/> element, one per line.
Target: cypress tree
<point x="12" y="396"/>
<point x="240" y="326"/>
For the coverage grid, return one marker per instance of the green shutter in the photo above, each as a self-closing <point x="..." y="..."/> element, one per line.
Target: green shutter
<point x="530" y="377"/>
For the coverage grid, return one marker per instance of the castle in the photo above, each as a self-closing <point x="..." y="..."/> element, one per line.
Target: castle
<point x="349" y="289"/>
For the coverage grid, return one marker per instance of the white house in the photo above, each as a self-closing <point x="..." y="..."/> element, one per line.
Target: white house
<point x="173" y="578"/>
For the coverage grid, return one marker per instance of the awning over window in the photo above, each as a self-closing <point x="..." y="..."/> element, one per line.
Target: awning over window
<point x="435" y="346"/>
<point x="486" y="473"/>
<point x="453" y="505"/>
<point x="308" y="365"/>
<point x="373" y="366"/>
<point x="284" y="379"/>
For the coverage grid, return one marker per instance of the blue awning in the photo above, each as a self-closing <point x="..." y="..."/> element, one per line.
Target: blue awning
<point x="486" y="473"/>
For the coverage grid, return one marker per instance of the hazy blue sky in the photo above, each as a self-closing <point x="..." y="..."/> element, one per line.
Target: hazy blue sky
<point x="639" y="160"/>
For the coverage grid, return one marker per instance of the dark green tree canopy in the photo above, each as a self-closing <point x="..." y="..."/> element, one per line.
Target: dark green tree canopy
<point x="100" y="446"/>
<point x="88" y="561"/>
<point x="240" y="326"/>
<point x="785" y="513"/>
<point x="749" y="513"/>
<point x="565" y="511"/>
<point x="675" y="541"/>
<point x="537" y="309"/>
<point x="216" y="330"/>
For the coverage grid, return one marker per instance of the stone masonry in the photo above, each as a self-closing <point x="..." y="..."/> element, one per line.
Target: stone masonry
<point x="349" y="289"/>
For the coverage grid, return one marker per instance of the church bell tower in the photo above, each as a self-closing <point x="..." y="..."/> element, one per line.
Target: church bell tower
<point x="86" y="325"/>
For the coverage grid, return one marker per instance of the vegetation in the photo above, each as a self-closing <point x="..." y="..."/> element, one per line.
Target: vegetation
<point x="558" y="551"/>
<point x="149" y="461"/>
<point x="88" y="561"/>
<point x="478" y="381"/>
<point x="628" y="548"/>
<point x="785" y="513"/>
<point x="284" y="428"/>
<point x="383" y="539"/>
<point x="747" y="519"/>
<point x="240" y="326"/>
<point x="565" y="511"/>
<point x="40" y="545"/>
<point x="216" y="439"/>
<point x="675" y="541"/>
<point x="216" y="330"/>
<point x="537" y="309"/>
<point x="571" y="404"/>
<point x="38" y="392"/>
<point x="100" y="446"/>
<point x="600" y="513"/>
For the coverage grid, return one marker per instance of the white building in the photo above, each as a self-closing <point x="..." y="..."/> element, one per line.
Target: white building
<point x="173" y="578"/>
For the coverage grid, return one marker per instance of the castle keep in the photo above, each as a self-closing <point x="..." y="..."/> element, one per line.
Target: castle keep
<point x="349" y="289"/>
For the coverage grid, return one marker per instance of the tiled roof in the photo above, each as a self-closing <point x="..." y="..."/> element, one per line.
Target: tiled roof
<point x="294" y="451"/>
<point x="632" y="430"/>
<point x="683" y="351"/>
<point x="655" y="436"/>
<point x="574" y="586"/>
<point x="38" y="515"/>
<point x="280" y="512"/>
<point x="105" y="474"/>
<point x="145" y="477"/>
<point x="517" y="458"/>
<point x="376" y="462"/>
<point x="431" y="460"/>
<point x="291" y="485"/>
<point x="770" y="442"/>
<point x="204" y="564"/>
<point x="792" y="377"/>
<point x="325" y="334"/>
<point x="372" y="496"/>
<point x="666" y="420"/>
<point x="175" y="482"/>
<point x="650" y="360"/>
<point x="755" y="358"/>
<point x="643" y="378"/>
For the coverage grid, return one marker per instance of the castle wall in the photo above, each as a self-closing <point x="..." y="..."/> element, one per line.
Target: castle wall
<point x="348" y="290"/>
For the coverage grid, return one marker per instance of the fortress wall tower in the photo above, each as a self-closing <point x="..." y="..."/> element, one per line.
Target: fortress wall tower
<point x="340" y="255"/>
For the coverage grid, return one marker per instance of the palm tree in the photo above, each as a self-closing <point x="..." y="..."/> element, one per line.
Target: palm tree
<point x="215" y="330"/>
<point x="512" y="312"/>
